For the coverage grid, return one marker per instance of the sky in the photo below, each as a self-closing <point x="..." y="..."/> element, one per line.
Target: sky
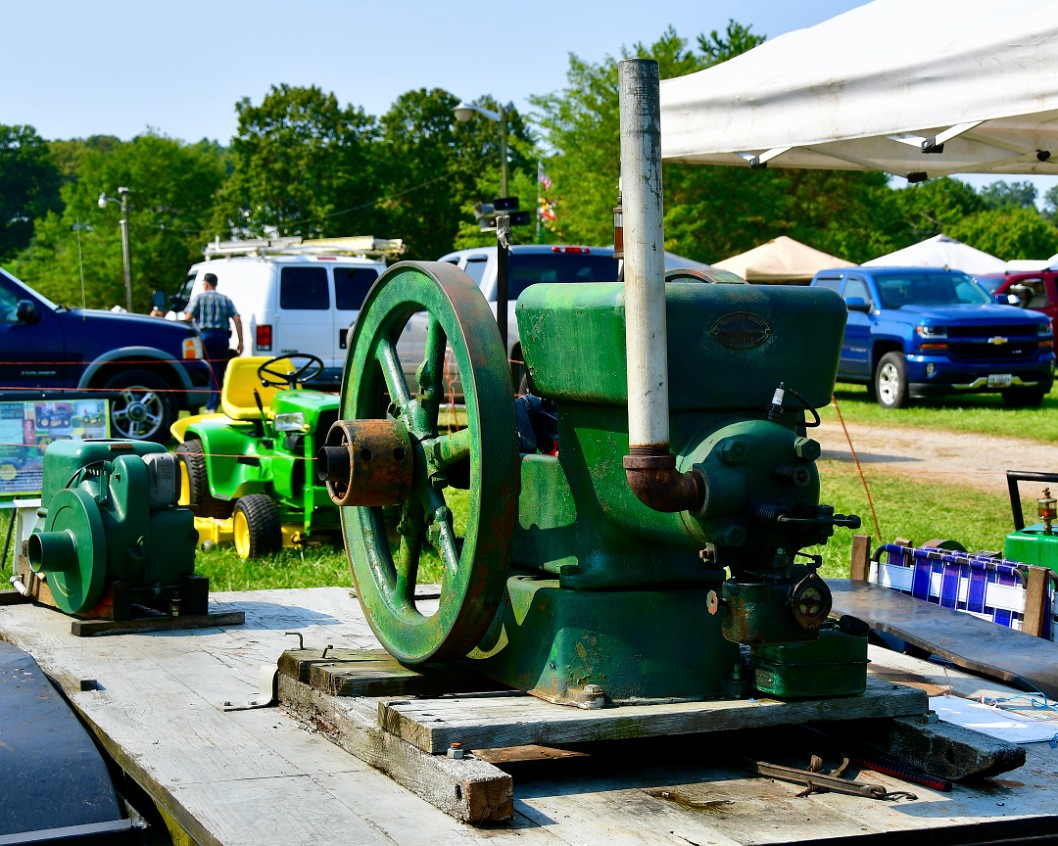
<point x="75" y="68"/>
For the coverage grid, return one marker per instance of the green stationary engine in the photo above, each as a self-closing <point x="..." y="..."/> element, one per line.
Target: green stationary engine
<point x="112" y="537"/>
<point x="562" y="582"/>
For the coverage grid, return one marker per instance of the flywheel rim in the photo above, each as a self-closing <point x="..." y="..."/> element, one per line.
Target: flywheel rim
<point x="475" y="567"/>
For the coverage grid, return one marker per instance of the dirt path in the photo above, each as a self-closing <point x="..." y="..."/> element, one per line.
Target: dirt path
<point x="976" y="461"/>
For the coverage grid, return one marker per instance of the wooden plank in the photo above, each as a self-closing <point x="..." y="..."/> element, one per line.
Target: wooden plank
<point x="468" y="789"/>
<point x="13" y="597"/>
<point x="860" y="567"/>
<point x="1037" y="603"/>
<point x="156" y="623"/>
<point x="1030" y="663"/>
<point x="352" y="672"/>
<point x="934" y="747"/>
<point x="517" y="719"/>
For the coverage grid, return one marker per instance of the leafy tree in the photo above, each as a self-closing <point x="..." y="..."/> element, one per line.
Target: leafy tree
<point x="999" y="195"/>
<point x="434" y="169"/>
<point x="170" y="198"/>
<point x="582" y="127"/>
<point x="932" y="207"/>
<point x="1009" y="232"/>
<point x="1050" y="204"/>
<point x="303" y="165"/>
<point x="29" y="185"/>
<point x="737" y="39"/>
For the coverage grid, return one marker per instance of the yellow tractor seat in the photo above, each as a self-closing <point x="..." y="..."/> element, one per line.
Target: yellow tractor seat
<point x="241" y="380"/>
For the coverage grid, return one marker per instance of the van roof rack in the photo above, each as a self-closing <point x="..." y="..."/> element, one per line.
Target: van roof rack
<point x="354" y="245"/>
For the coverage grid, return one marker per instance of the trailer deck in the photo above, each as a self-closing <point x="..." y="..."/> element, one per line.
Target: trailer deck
<point x="156" y="702"/>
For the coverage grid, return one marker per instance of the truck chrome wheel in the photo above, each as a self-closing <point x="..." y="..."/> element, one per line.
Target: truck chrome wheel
<point x="890" y="381"/>
<point x="480" y="456"/>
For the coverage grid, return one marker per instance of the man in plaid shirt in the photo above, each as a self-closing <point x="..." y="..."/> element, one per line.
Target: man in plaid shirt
<point x="212" y="311"/>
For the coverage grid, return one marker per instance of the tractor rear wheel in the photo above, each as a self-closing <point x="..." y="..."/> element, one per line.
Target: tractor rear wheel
<point x="256" y="527"/>
<point x="194" y="483"/>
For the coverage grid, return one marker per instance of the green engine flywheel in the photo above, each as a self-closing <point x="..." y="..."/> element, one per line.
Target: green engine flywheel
<point x="481" y="456"/>
<point x="74" y="545"/>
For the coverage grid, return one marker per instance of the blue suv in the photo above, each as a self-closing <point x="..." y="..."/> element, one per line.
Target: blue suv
<point x="149" y="368"/>
<point x="916" y="332"/>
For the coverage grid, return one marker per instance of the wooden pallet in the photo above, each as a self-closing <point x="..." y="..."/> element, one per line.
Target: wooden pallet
<point x="362" y="701"/>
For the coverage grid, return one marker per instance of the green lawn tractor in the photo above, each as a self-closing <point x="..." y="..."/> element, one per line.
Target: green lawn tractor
<point x="249" y="472"/>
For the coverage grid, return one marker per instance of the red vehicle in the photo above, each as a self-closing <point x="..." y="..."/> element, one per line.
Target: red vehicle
<point x="1037" y="289"/>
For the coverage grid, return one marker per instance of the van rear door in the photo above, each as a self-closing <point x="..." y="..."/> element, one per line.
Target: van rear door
<point x="303" y="323"/>
<point x="351" y="284"/>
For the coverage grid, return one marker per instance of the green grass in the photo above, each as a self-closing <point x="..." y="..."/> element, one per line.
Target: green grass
<point x="979" y="413"/>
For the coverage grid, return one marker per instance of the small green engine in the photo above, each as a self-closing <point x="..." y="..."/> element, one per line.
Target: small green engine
<point x="112" y="537"/>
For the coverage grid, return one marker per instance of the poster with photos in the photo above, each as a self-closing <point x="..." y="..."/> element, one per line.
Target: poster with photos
<point x="28" y="427"/>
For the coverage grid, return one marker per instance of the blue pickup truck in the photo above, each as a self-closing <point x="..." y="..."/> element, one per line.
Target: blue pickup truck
<point x="917" y="332"/>
<point x="149" y="368"/>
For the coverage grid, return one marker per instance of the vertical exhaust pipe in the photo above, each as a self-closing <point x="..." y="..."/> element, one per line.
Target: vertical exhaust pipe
<point x="650" y="466"/>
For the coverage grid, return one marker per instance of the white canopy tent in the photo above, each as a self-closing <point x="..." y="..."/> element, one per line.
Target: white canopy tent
<point x="942" y="251"/>
<point x="781" y="260"/>
<point x="915" y="89"/>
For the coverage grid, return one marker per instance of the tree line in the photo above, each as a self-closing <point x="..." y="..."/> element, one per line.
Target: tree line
<point x="301" y="163"/>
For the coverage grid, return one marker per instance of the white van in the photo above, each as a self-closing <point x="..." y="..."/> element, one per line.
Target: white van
<point x="295" y="295"/>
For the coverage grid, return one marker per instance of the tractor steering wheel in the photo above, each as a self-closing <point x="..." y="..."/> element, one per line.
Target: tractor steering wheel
<point x="311" y="368"/>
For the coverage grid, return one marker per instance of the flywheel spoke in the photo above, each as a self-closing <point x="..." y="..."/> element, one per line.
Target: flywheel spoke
<point x="410" y="528"/>
<point x="394" y="376"/>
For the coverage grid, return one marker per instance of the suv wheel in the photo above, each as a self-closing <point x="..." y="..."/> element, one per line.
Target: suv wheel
<point x="890" y="382"/>
<point x="144" y="410"/>
<point x="194" y="478"/>
<point x="256" y="527"/>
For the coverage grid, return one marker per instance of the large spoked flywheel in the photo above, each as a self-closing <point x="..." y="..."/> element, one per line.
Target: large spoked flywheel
<point x="404" y="461"/>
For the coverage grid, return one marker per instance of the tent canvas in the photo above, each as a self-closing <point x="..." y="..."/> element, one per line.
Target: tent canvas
<point x="911" y="88"/>
<point x="942" y="251"/>
<point x="781" y="259"/>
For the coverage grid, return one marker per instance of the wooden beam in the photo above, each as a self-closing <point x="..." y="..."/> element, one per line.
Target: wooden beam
<point x="860" y="568"/>
<point x="1037" y="605"/>
<point x="468" y="789"/>
<point x="517" y="719"/>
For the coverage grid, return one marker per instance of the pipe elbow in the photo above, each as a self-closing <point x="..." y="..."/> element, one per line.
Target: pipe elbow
<point x="652" y="475"/>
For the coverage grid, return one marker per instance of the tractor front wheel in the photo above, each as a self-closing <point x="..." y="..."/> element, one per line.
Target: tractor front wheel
<point x="256" y="526"/>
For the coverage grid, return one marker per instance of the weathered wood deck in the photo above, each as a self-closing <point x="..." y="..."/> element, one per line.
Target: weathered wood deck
<point x="258" y="776"/>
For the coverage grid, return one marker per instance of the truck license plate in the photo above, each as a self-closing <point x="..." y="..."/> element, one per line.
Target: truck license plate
<point x="999" y="380"/>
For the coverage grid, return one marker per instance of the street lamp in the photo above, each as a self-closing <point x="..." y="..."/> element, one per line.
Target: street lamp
<point x="123" y="193"/>
<point x="465" y="111"/>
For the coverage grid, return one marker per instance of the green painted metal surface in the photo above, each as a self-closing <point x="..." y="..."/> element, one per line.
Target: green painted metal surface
<point x="633" y="645"/>
<point x="835" y="664"/>
<point x="1032" y="545"/>
<point x="726" y="343"/>
<point x="104" y="524"/>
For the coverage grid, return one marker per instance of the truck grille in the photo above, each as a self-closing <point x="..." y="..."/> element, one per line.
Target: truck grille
<point x="986" y="332"/>
<point x="1013" y="350"/>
